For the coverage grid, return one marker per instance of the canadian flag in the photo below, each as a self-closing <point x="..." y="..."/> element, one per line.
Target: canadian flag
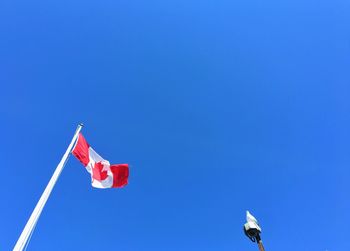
<point x="103" y="174"/>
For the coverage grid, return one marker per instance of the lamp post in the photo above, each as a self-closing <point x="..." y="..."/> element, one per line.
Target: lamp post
<point x="252" y="230"/>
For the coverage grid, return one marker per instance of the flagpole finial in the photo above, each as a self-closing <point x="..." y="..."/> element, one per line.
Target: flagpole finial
<point x="81" y="124"/>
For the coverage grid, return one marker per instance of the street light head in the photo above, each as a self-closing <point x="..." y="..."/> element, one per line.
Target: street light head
<point x="251" y="218"/>
<point x="252" y="228"/>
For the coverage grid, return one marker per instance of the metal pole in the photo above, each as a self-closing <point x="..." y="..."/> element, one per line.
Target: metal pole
<point x="28" y="229"/>
<point x="261" y="246"/>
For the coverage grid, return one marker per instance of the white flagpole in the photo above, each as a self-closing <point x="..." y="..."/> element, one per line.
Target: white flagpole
<point x="28" y="229"/>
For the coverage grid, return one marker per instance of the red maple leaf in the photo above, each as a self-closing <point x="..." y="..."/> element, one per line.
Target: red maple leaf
<point x="98" y="173"/>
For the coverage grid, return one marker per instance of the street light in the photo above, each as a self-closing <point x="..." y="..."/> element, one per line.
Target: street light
<point x="253" y="230"/>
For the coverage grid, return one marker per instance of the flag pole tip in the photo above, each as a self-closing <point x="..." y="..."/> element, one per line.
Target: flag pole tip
<point x="81" y="124"/>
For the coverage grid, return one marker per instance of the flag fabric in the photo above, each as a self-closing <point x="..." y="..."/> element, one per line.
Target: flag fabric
<point x="103" y="174"/>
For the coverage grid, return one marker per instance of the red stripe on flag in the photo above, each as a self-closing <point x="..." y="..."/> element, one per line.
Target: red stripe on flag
<point x="120" y="174"/>
<point x="81" y="150"/>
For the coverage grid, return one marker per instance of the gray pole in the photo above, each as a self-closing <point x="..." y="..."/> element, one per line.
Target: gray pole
<point x="261" y="247"/>
<point x="29" y="227"/>
<point x="260" y="244"/>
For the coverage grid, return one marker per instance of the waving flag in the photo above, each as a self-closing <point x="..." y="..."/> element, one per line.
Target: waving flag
<point x="103" y="174"/>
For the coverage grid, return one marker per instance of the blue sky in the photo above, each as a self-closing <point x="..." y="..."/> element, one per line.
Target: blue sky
<point x="218" y="106"/>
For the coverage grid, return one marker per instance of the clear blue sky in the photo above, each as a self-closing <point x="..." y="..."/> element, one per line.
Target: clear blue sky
<point x="218" y="106"/>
